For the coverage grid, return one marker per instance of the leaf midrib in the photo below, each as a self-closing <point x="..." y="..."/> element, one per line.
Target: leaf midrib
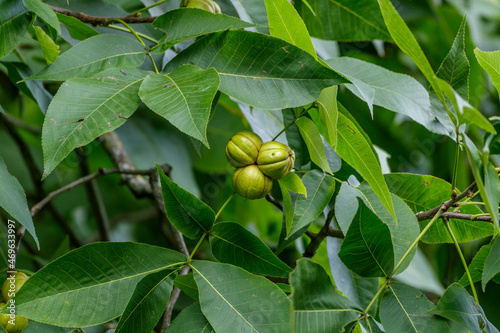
<point x="101" y="284"/>
<point x="243" y="249"/>
<point x="144" y="298"/>
<point x="221" y="296"/>
<point x="37" y="77"/>
<point x="89" y="116"/>
<point x="366" y="167"/>
<point x="403" y="308"/>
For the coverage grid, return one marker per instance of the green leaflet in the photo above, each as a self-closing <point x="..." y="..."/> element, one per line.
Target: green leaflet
<point x="286" y="77"/>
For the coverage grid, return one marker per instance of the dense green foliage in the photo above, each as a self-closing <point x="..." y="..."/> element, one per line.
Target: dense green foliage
<point x="117" y="198"/>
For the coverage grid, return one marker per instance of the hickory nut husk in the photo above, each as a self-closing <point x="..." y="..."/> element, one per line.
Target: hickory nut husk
<point x="12" y="285"/>
<point x="243" y="149"/>
<point x="275" y="159"/>
<point x="251" y="183"/>
<point x="208" y="5"/>
<point x="17" y="326"/>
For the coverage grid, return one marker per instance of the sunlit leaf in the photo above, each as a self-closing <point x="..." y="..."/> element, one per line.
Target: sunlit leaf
<point x="328" y="113"/>
<point x="344" y="20"/>
<point x="490" y="61"/>
<point x="455" y="67"/>
<point x="491" y="264"/>
<point x="285" y="23"/>
<point x="314" y="143"/>
<point x="49" y="48"/>
<point x="354" y="148"/>
<point x="44" y="12"/>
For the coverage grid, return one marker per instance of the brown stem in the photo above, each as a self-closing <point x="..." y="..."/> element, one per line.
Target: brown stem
<point x="95" y="198"/>
<point x="21" y="124"/>
<point x="101" y="172"/>
<point x="274" y="202"/>
<point x="114" y="147"/>
<point x="427" y="215"/>
<point x="167" y="315"/>
<point x="98" y="20"/>
<point x="317" y="239"/>
<point x="459" y="216"/>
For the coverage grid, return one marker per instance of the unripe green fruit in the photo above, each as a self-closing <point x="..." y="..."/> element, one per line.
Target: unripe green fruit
<point x="4" y="318"/>
<point x="208" y="5"/>
<point x="251" y="183"/>
<point x="275" y="159"/>
<point x="19" y="325"/>
<point x="15" y="280"/>
<point x="243" y="149"/>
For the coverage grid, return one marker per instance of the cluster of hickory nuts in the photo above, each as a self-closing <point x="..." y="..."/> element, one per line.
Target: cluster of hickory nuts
<point x="11" y="322"/>
<point x="208" y="5"/>
<point x="257" y="163"/>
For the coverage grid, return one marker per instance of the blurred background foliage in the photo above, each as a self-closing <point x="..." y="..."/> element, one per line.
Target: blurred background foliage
<point x="149" y="138"/>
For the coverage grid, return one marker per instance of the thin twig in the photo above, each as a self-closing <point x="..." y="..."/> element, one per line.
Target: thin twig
<point x="114" y="147"/>
<point x="471" y="217"/>
<point x="174" y="295"/>
<point x="446" y="205"/>
<point x="97" y="20"/>
<point x="316" y="241"/>
<point x="21" y="124"/>
<point x="158" y="197"/>
<point x="95" y="198"/>
<point x="335" y="233"/>
<point x="101" y="172"/>
<point x="274" y="202"/>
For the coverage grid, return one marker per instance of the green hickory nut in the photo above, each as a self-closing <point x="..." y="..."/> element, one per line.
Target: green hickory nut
<point x="14" y="324"/>
<point x="251" y="183"/>
<point x="275" y="159"/>
<point x="13" y="283"/>
<point x="243" y="149"/>
<point x="208" y="5"/>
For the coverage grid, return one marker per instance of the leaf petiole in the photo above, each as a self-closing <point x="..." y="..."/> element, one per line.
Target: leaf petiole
<point x="471" y="282"/>
<point x="196" y="247"/>
<point x="132" y="31"/>
<point x="224" y="206"/>
<point x="148" y="7"/>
